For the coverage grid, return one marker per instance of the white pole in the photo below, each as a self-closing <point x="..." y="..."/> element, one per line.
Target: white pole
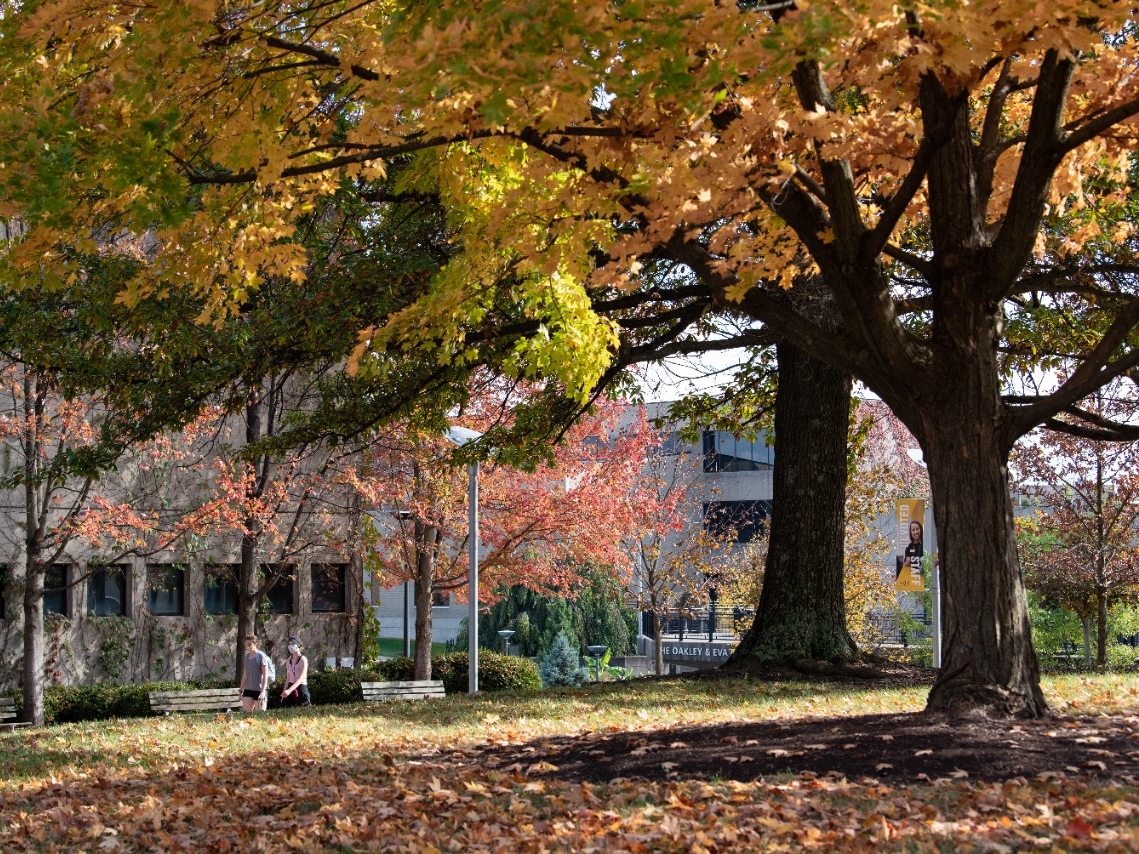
<point x="935" y="583"/>
<point x="473" y="582"/>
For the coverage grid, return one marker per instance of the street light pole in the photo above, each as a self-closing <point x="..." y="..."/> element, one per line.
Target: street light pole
<point x="473" y="561"/>
<point x="461" y="436"/>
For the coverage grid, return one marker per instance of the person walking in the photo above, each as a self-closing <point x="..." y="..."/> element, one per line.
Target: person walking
<point x="295" y="692"/>
<point x="254" y="679"/>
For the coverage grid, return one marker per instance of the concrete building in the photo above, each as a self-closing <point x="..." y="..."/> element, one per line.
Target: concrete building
<point x="124" y="605"/>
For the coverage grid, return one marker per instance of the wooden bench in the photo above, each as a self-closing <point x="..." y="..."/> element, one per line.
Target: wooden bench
<point x="8" y="715"/>
<point x="419" y="689"/>
<point x="200" y="700"/>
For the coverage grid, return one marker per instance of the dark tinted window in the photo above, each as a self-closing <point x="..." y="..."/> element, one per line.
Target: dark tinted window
<point x="280" y="595"/>
<point x="220" y="594"/>
<point x="328" y="587"/>
<point x="107" y="592"/>
<point x="55" y="589"/>
<point x="165" y="585"/>
<point x="724" y="452"/>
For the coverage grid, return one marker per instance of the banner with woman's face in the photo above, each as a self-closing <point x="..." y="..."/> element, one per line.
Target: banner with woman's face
<point x="909" y="514"/>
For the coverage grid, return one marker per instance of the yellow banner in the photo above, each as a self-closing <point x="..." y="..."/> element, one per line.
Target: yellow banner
<point x="909" y="514"/>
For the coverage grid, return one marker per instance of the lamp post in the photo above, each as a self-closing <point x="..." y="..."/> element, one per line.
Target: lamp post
<point x="597" y="650"/>
<point x="918" y="457"/>
<point x="506" y="634"/>
<point x="402" y="515"/>
<point x="461" y="436"/>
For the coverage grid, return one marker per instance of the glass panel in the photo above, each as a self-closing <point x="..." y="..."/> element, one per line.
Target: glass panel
<point x="164" y="587"/>
<point x="55" y="589"/>
<point x="107" y="592"/>
<point x="221" y="589"/>
<point x="671" y="446"/>
<point x="710" y="451"/>
<point x="743" y="521"/>
<point x="741" y="455"/>
<point x="280" y="595"/>
<point x="328" y="587"/>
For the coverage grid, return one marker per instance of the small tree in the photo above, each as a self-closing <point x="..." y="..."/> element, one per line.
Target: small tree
<point x="561" y="665"/>
<point x="1080" y="551"/>
<point x="667" y="566"/>
<point x="540" y="529"/>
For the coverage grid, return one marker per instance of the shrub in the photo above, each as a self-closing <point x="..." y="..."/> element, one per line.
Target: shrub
<point x="336" y="686"/>
<point x="561" y="665"/>
<point x="101" y="702"/>
<point x="497" y="672"/>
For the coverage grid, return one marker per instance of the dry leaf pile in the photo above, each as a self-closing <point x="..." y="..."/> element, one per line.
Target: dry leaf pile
<point x="497" y="781"/>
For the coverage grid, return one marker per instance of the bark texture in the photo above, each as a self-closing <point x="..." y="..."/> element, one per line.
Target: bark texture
<point x="988" y="663"/>
<point x="801" y="612"/>
<point x="427" y="543"/>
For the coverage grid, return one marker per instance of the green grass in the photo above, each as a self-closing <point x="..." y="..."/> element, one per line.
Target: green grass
<point x="393" y="647"/>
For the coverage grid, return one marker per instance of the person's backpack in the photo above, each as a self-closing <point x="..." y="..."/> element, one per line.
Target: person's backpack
<point x="272" y="668"/>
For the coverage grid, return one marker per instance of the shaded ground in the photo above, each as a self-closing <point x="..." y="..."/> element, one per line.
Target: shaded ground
<point x="894" y="748"/>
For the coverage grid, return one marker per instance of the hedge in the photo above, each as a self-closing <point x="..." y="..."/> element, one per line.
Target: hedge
<point x="102" y="702"/>
<point x="497" y="672"/>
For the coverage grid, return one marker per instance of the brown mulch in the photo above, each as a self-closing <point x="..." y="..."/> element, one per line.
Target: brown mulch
<point x="893" y="748"/>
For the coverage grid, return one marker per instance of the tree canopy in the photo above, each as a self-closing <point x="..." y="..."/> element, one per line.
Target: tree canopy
<point x="931" y="169"/>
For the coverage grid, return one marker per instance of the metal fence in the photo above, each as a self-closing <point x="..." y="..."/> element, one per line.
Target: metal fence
<point x="710" y="623"/>
<point x="901" y="630"/>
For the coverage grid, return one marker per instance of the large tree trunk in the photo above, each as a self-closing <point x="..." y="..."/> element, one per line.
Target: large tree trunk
<point x="988" y="663"/>
<point x="802" y="613"/>
<point x="33" y="711"/>
<point x="1101" y="625"/>
<point x="247" y="586"/>
<point x="426" y="541"/>
<point x="246" y="592"/>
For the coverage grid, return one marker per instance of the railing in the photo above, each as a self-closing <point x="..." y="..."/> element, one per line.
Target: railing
<point x="709" y="623"/>
<point x="895" y="630"/>
<point x="721" y="622"/>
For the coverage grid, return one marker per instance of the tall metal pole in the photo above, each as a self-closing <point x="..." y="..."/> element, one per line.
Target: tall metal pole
<point x="407" y="619"/>
<point x="473" y="590"/>
<point x="935" y="583"/>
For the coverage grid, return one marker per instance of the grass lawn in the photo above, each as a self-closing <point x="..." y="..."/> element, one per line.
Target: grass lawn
<point x="393" y="647"/>
<point x="482" y="774"/>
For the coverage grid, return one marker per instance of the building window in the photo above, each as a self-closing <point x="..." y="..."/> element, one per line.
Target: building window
<point x="740" y="521"/>
<point x="328" y="587"/>
<point x="55" y="589"/>
<point x="440" y="598"/>
<point x="107" y="591"/>
<point x="724" y="452"/>
<point x="671" y="445"/>
<point x="165" y="585"/>
<point x="3" y="591"/>
<point x="220" y="594"/>
<point x="280" y="596"/>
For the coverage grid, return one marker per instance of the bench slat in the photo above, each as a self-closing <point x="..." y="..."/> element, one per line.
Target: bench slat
<point x="205" y="693"/>
<point x="195" y="700"/>
<point x="402" y="690"/>
<point x="416" y="689"/>
<point x="7" y="709"/>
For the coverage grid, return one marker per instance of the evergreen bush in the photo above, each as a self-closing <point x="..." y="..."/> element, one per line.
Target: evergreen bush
<point x="561" y="665"/>
<point x="497" y="672"/>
